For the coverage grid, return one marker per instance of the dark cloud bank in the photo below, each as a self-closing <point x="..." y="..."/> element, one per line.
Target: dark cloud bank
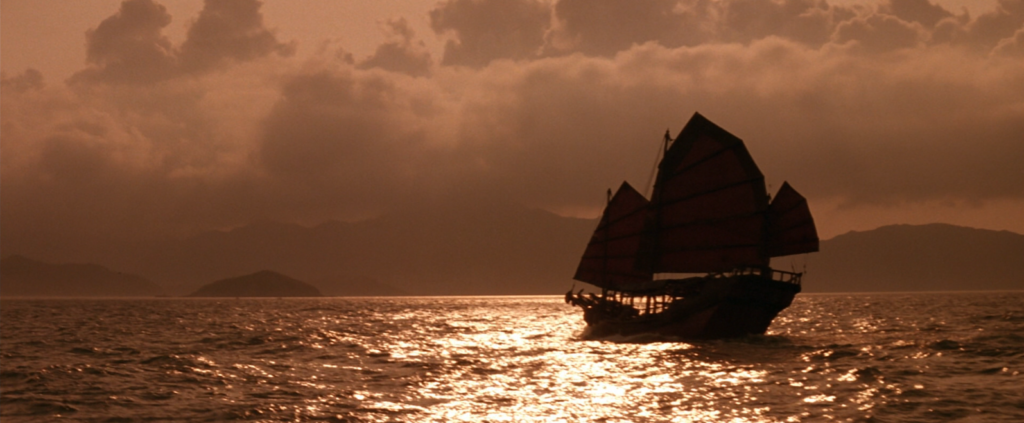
<point x="530" y="104"/>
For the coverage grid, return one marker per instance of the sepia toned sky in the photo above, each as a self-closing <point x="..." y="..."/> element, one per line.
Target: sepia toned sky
<point x="153" y="118"/>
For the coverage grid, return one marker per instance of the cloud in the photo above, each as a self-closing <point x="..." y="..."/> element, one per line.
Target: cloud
<point x="831" y="121"/>
<point x="130" y="47"/>
<point x="879" y="33"/>
<point x="604" y="27"/>
<point x="229" y="30"/>
<point x="986" y="32"/>
<point x="31" y="79"/>
<point x="488" y="30"/>
<point x="921" y="11"/>
<point x="1011" y="46"/>
<point x="400" y="54"/>
<point x="872" y="130"/>
<point x="990" y="28"/>
<point x="854" y="106"/>
<point x="339" y="135"/>
<point x="806" y="21"/>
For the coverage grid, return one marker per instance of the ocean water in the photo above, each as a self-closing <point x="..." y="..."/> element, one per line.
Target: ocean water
<point x="879" y="357"/>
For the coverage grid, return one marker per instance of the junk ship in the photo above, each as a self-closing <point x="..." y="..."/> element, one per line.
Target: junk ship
<point x="709" y="218"/>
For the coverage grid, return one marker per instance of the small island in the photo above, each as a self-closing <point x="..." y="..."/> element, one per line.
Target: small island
<point x="265" y="283"/>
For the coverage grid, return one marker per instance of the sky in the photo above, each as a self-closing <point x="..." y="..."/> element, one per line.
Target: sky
<point x="144" y="119"/>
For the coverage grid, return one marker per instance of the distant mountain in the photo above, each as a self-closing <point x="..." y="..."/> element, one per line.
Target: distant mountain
<point x="20" y="276"/>
<point x="264" y="283"/>
<point x="935" y="257"/>
<point x="508" y="250"/>
<point x="429" y="251"/>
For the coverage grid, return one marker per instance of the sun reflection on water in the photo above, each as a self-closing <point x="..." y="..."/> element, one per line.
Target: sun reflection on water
<point x="512" y="359"/>
<point x="504" y="364"/>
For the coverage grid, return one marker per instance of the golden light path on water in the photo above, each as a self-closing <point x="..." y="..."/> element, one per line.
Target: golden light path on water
<point x="520" y="359"/>
<point x="921" y="357"/>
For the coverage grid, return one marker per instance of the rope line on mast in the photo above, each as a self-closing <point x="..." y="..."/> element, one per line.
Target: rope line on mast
<point x="654" y="169"/>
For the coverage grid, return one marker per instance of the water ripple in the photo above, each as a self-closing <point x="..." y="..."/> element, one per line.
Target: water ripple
<point x="922" y="357"/>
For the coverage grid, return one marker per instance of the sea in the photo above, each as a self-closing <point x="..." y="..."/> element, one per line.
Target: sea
<point x="894" y="357"/>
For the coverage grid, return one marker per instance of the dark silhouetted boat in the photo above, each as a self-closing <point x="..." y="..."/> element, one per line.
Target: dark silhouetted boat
<point x="709" y="218"/>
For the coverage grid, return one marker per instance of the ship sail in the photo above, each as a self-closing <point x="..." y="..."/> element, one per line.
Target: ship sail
<point x="610" y="259"/>
<point x="790" y="225"/>
<point x="707" y="213"/>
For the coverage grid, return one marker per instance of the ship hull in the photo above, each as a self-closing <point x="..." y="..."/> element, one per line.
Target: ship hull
<point x="724" y="307"/>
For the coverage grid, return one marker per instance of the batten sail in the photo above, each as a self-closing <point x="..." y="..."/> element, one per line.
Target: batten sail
<point x="707" y="213"/>
<point x="790" y="225"/>
<point x="610" y="258"/>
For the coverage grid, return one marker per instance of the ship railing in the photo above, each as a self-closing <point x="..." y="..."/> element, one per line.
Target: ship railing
<point x="787" y="277"/>
<point x="644" y="304"/>
<point x="775" y="275"/>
